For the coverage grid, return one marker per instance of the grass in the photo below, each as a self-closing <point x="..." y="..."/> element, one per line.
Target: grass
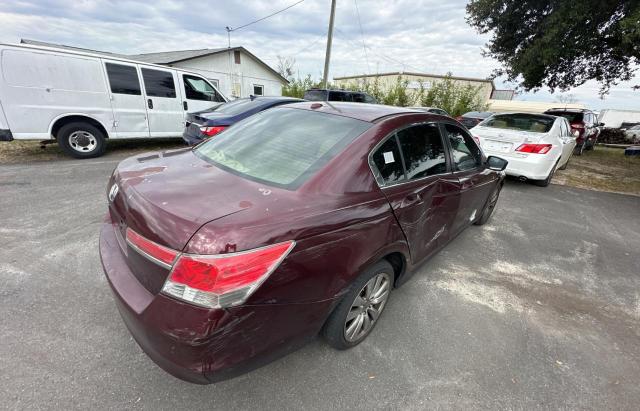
<point x="603" y="169"/>
<point x="29" y="151"/>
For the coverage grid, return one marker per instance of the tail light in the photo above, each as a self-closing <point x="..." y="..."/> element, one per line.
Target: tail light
<point x="534" y="148"/>
<point x="213" y="281"/>
<point x="155" y="252"/>
<point x="577" y="129"/>
<point x="212" y="131"/>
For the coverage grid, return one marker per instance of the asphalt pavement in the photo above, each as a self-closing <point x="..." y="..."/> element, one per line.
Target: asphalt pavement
<point x="538" y="309"/>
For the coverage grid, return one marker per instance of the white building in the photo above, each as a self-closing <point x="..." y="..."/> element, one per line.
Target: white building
<point x="235" y="71"/>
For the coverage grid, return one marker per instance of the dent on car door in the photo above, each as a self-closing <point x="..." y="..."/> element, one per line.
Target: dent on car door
<point x="476" y="180"/>
<point x="412" y="168"/>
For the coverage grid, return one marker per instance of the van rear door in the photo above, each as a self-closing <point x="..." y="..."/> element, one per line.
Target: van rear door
<point x="164" y="102"/>
<point x="197" y="93"/>
<point x="127" y="101"/>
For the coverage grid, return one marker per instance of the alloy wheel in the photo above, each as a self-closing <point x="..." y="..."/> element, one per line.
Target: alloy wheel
<point x="367" y="306"/>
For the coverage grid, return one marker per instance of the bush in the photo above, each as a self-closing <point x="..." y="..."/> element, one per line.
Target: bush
<point x="446" y="94"/>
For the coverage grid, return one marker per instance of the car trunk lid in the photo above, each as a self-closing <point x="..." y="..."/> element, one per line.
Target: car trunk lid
<point x="166" y="197"/>
<point x="503" y="141"/>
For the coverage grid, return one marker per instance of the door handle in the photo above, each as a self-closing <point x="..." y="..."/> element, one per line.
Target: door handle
<point x="185" y="105"/>
<point x="150" y="103"/>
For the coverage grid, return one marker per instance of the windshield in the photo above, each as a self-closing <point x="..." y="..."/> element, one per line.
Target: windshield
<point x="282" y="147"/>
<point x="521" y="122"/>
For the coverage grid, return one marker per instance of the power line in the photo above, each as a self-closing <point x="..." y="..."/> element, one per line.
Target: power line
<point x="229" y="29"/>
<point x="364" y="46"/>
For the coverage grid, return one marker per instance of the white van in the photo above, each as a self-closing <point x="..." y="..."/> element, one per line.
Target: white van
<point x="81" y="99"/>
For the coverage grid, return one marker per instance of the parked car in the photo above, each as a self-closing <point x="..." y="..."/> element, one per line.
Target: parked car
<point x="297" y="220"/>
<point x="434" y="110"/>
<point x="535" y="145"/>
<point x="208" y="123"/>
<point x="584" y="125"/>
<point x="632" y="133"/>
<point x="81" y="99"/>
<point x="473" y="118"/>
<point x="316" y="94"/>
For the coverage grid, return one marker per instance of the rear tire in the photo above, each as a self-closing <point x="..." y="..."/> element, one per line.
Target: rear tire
<point x="81" y="140"/>
<point x="579" y="150"/>
<point x="489" y="207"/>
<point x="359" y="310"/>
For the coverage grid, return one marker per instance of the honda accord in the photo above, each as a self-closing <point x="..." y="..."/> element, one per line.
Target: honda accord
<point x="298" y="220"/>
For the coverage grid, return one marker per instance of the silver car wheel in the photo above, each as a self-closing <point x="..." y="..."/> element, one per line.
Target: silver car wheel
<point x="82" y="141"/>
<point x="366" y="307"/>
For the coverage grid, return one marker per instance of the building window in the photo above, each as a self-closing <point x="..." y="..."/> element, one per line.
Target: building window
<point x="215" y="82"/>
<point x="236" y="56"/>
<point x="258" y="90"/>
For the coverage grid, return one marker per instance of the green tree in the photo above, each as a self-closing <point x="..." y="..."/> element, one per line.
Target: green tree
<point x="560" y="43"/>
<point x="453" y="97"/>
<point x="297" y="87"/>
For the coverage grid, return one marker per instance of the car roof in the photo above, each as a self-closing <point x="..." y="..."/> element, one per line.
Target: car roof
<point x="550" y="116"/>
<point x="478" y="113"/>
<point x="569" y="110"/>
<point x="270" y="98"/>
<point x="359" y="111"/>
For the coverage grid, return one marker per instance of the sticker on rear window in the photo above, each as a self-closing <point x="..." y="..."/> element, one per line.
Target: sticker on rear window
<point x="388" y="157"/>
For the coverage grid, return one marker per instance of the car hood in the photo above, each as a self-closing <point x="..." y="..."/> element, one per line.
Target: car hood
<point x="168" y="196"/>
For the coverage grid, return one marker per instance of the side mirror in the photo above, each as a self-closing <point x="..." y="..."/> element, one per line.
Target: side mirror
<point x="496" y="163"/>
<point x="600" y="124"/>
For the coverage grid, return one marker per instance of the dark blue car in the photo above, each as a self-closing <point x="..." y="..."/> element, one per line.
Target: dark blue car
<point x="204" y="124"/>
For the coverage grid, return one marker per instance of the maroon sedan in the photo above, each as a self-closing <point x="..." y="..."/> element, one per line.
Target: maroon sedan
<point x="297" y="220"/>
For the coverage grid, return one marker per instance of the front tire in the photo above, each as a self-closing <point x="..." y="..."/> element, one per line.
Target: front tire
<point x="358" y="312"/>
<point x="81" y="140"/>
<point x="491" y="205"/>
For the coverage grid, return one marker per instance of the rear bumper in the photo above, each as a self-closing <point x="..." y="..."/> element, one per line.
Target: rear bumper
<point x="533" y="166"/>
<point x="5" y="135"/>
<point x="192" y="138"/>
<point x="202" y="345"/>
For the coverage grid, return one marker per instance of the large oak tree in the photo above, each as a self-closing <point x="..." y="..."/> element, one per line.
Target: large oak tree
<point x="560" y="43"/>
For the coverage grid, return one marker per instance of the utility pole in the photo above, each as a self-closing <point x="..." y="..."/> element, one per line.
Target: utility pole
<point x="327" y="56"/>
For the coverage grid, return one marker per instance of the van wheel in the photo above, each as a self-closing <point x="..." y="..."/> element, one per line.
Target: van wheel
<point x="81" y="140"/>
<point x="358" y="312"/>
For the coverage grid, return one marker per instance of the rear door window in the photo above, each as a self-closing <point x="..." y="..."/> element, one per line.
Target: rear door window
<point x="465" y="152"/>
<point x="388" y="163"/>
<point x="123" y="79"/>
<point x="422" y="150"/>
<point x="158" y="83"/>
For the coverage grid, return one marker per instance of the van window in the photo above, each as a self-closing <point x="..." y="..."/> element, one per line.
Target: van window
<point x="197" y="89"/>
<point x="123" y="79"/>
<point x="159" y="83"/>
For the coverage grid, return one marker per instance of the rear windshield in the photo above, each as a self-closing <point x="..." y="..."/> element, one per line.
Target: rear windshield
<point x="235" y="107"/>
<point x="521" y="122"/>
<point x="315" y="95"/>
<point x="282" y="147"/>
<point x="571" y="117"/>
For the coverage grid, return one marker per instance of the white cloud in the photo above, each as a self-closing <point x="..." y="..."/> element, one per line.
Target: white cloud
<point x="428" y="35"/>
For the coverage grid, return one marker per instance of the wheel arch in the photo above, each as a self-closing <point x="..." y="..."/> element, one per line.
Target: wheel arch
<point x="67" y="118"/>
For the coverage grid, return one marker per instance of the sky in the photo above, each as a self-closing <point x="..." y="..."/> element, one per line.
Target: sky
<point x="370" y="36"/>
